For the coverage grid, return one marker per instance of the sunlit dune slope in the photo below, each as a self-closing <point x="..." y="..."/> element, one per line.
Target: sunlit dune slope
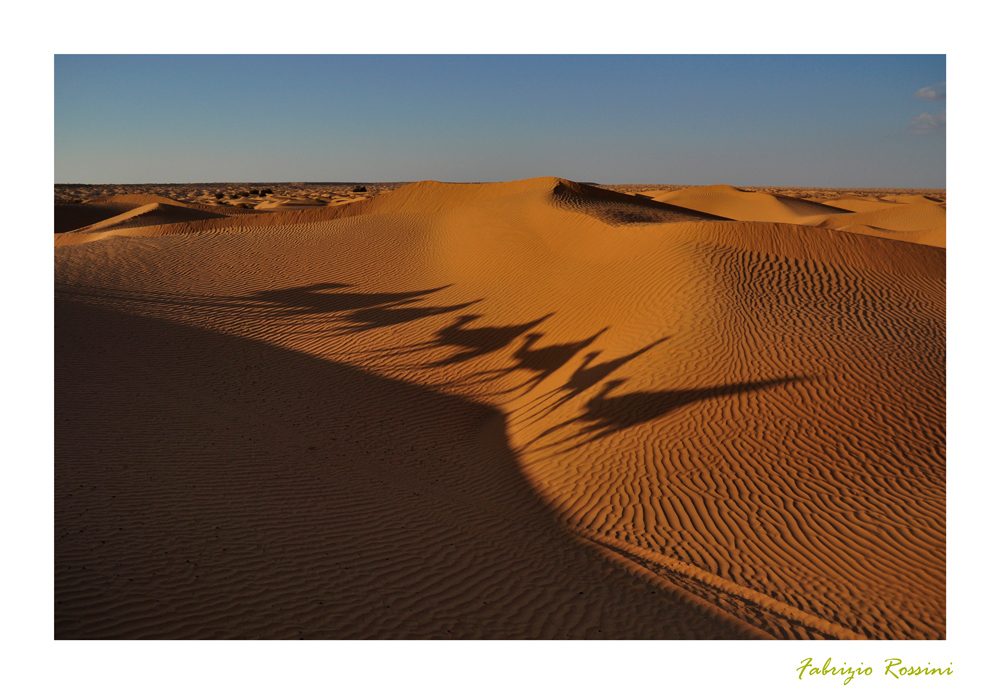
<point x="923" y="199"/>
<point x="858" y="203"/>
<point x="916" y="220"/>
<point x="431" y="197"/>
<point x="500" y="410"/>
<point x="727" y="201"/>
<point x="910" y="218"/>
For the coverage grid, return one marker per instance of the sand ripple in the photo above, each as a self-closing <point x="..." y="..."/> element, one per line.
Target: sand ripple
<point x="500" y="410"/>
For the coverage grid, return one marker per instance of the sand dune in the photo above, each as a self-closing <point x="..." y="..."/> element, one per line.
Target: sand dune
<point x="920" y="218"/>
<point x="733" y="203"/>
<point x="134" y="200"/>
<point x="152" y="214"/>
<point x="857" y="203"/>
<point x="429" y="197"/>
<point x="131" y="211"/>
<point x="915" y="199"/>
<point x="915" y="220"/>
<point x="928" y="237"/>
<point x="530" y="409"/>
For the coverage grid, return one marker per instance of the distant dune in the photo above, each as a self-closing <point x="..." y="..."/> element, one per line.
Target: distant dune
<point x="536" y="409"/>
<point x="911" y="218"/>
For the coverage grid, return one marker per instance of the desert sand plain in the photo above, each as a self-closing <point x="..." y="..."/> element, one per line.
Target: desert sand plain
<point x="508" y="410"/>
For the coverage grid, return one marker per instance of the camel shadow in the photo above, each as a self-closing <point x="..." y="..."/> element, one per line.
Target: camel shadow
<point x="361" y="310"/>
<point x="606" y="414"/>
<point x="345" y="310"/>
<point x="213" y="486"/>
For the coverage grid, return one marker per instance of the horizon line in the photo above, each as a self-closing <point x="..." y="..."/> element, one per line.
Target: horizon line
<point x="591" y="183"/>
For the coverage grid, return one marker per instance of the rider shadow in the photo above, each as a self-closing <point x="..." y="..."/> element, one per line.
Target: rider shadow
<point x="362" y="311"/>
<point x="543" y="362"/>
<point x="586" y="377"/>
<point x="606" y="414"/>
<point x="355" y="312"/>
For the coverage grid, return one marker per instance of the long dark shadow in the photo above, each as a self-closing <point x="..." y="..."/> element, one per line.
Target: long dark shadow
<point x="478" y="341"/>
<point x="211" y="486"/>
<point x="363" y="311"/>
<point x="342" y="312"/>
<point x="606" y="414"/>
<point x="545" y="361"/>
<point x="582" y="379"/>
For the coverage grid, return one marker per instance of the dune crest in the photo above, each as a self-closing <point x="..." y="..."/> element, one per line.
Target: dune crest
<point x="910" y="218"/>
<point x="727" y="201"/>
<point x="424" y="197"/>
<point x="150" y="214"/>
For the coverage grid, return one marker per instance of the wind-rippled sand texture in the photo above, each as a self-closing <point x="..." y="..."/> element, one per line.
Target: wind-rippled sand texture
<point x="531" y="409"/>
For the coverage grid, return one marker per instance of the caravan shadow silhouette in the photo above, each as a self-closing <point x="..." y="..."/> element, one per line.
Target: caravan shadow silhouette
<point x="364" y="311"/>
<point x="346" y="312"/>
<point x="605" y="414"/>
<point x="544" y="361"/>
<point x="480" y="341"/>
<point x="213" y="486"/>
<point x="583" y="379"/>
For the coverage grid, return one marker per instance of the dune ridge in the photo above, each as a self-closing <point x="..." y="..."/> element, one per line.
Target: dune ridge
<point x="425" y="197"/>
<point x="909" y="218"/>
<point x="725" y="429"/>
<point x="133" y="210"/>
<point x="734" y="203"/>
<point x="151" y="214"/>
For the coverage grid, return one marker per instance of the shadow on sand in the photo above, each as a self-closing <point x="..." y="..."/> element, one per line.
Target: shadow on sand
<point x="341" y="309"/>
<point x="211" y="486"/>
<point x="606" y="414"/>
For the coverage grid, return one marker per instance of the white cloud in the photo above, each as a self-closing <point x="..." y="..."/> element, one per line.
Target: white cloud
<point x="927" y="123"/>
<point x="935" y="93"/>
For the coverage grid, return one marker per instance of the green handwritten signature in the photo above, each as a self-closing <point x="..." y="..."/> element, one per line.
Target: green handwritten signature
<point x="893" y="666"/>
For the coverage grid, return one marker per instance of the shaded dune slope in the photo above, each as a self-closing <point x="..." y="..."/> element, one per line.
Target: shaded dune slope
<point x="151" y="214"/>
<point x="745" y="417"/>
<point x="262" y="493"/>
<point x="135" y="210"/>
<point x="130" y="201"/>
<point x="76" y="216"/>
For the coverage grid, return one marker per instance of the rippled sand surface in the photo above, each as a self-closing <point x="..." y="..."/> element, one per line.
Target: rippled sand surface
<point x="517" y="410"/>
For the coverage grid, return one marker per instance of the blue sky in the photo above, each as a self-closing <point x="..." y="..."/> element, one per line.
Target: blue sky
<point x="824" y="121"/>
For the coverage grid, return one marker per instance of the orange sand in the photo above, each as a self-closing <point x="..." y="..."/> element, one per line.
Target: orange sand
<point x="913" y="218"/>
<point x="530" y="409"/>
